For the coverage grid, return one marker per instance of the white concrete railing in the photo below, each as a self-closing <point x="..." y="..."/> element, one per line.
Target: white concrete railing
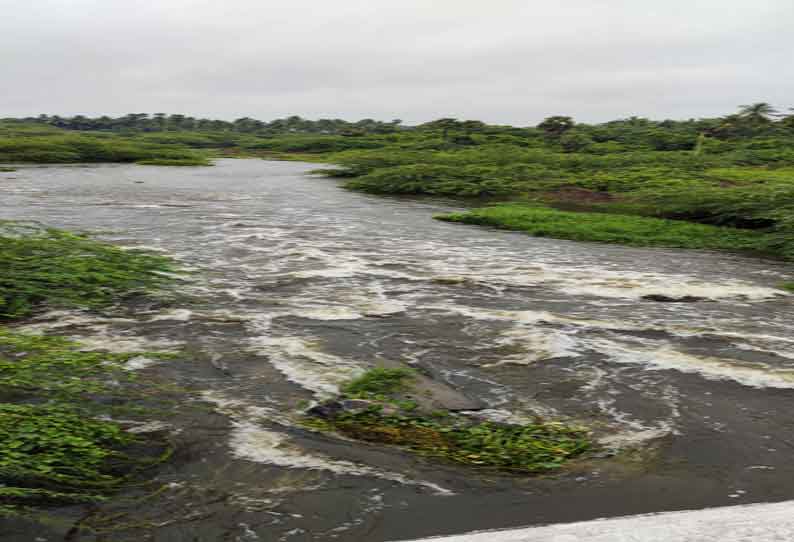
<point x="748" y="523"/>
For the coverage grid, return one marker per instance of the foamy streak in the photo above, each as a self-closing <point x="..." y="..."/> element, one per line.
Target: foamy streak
<point x="596" y="281"/>
<point x="757" y="375"/>
<point x="139" y="362"/>
<point x="302" y="363"/>
<point x="252" y="442"/>
<point x="95" y="332"/>
<point x="103" y="339"/>
<point x="180" y="315"/>
<point x="54" y="320"/>
<point x="539" y="345"/>
<point x="547" y="343"/>
<point x="633" y="432"/>
<point x="636" y="289"/>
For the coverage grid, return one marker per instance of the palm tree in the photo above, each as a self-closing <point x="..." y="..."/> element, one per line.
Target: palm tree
<point x="757" y="113"/>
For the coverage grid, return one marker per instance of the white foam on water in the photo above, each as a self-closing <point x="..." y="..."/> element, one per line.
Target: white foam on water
<point x="529" y="317"/>
<point x="139" y="362"/>
<point x="632" y="433"/>
<point x="536" y="345"/>
<point x="55" y="320"/>
<point x="149" y="427"/>
<point x="255" y="443"/>
<point x="671" y="286"/>
<point x="106" y="340"/>
<point x="788" y="353"/>
<point x="251" y="441"/>
<point x="96" y="333"/>
<point x="328" y="312"/>
<point x="179" y="315"/>
<point x="302" y="362"/>
<point x="665" y="357"/>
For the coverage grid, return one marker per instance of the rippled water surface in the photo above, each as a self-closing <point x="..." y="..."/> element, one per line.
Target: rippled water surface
<point x="300" y="285"/>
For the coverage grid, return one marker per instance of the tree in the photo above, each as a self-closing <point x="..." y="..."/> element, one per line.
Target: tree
<point x="445" y="125"/>
<point x="757" y="113"/>
<point x="556" y="125"/>
<point x="788" y="120"/>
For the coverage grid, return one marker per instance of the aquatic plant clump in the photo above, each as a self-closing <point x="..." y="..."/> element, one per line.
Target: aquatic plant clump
<point x="533" y="448"/>
<point x="41" y="265"/>
<point x="372" y="409"/>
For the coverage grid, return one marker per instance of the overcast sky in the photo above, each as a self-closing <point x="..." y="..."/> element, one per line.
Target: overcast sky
<point x="503" y="61"/>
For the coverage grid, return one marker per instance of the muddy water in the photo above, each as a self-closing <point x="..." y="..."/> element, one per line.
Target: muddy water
<point x="300" y="285"/>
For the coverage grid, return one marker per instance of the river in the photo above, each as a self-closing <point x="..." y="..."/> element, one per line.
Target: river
<point x="299" y="285"/>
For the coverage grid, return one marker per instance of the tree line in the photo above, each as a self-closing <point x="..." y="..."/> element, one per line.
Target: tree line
<point x="749" y="121"/>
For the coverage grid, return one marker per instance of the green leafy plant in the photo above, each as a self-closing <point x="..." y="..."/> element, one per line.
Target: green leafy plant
<point x="41" y="265"/>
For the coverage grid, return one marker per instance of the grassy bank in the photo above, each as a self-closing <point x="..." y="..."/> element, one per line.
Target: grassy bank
<point x="46" y="145"/>
<point x="611" y="228"/>
<point x="381" y="414"/>
<point x="57" y="444"/>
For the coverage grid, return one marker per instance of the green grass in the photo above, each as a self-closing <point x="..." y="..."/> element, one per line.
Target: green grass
<point x="7" y="169"/>
<point x="47" y="266"/>
<point x="379" y="382"/>
<point x="788" y="286"/>
<point x="610" y="228"/>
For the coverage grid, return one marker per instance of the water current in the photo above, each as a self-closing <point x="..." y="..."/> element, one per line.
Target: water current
<point x="298" y="285"/>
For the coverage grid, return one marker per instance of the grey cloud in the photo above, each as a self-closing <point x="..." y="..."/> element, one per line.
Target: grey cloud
<point x="508" y="61"/>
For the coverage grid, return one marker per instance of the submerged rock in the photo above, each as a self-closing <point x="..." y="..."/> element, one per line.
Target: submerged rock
<point x="331" y="409"/>
<point x="669" y="299"/>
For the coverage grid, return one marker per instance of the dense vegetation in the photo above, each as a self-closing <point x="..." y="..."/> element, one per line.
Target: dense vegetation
<point x="381" y="414"/>
<point x="20" y="143"/>
<point x="735" y="171"/>
<point x="57" y="445"/>
<point x="609" y="228"/>
<point x="41" y="265"/>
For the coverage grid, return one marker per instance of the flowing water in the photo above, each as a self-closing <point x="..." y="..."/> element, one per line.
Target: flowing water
<point x="299" y="285"/>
